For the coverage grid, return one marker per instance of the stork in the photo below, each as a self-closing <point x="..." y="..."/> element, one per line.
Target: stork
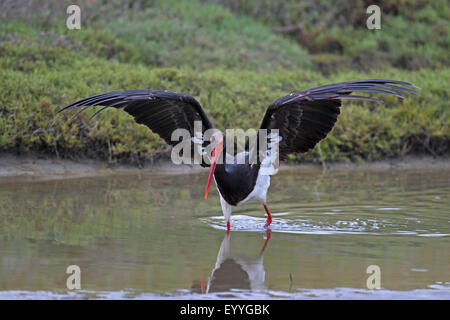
<point x="302" y="119"/>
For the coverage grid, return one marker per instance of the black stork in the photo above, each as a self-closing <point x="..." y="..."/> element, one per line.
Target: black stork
<point x="302" y="118"/>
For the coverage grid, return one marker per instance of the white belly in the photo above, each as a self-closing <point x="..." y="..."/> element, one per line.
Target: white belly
<point x="259" y="193"/>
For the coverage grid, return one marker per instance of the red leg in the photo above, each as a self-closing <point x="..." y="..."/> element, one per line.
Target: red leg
<point x="228" y="225"/>
<point x="269" y="216"/>
<point x="202" y="285"/>
<point x="268" y="236"/>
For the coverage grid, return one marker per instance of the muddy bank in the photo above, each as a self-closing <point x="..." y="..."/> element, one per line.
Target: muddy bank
<point x="35" y="167"/>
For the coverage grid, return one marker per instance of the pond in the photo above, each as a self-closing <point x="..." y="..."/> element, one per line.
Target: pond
<point x="150" y="234"/>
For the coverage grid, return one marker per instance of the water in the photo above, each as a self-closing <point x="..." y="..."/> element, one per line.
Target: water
<point x="146" y="234"/>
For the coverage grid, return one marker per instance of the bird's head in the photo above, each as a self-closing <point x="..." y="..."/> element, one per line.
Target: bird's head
<point x="217" y="146"/>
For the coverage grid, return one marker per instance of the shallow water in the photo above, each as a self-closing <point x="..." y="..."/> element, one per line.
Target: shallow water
<point x="145" y="234"/>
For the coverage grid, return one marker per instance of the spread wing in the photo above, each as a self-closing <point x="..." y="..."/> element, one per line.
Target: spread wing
<point x="304" y="118"/>
<point x="161" y="111"/>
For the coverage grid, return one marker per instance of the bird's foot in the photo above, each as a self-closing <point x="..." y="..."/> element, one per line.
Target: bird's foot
<point x="268" y="222"/>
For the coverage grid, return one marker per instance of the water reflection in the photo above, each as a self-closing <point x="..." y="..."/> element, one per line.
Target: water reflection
<point x="237" y="271"/>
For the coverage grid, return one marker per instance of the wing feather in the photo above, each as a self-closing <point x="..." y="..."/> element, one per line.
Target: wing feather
<point x="161" y="111"/>
<point x="305" y="118"/>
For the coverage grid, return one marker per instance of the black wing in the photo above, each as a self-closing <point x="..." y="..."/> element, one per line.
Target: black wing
<point x="161" y="111"/>
<point x="304" y="118"/>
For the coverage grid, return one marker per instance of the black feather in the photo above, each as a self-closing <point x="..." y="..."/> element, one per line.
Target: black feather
<point x="304" y="118"/>
<point x="161" y="111"/>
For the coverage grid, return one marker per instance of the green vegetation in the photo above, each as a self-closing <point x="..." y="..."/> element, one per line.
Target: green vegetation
<point x="414" y="33"/>
<point x="233" y="65"/>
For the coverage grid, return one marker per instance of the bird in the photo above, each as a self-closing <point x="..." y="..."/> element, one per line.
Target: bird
<point x="294" y="123"/>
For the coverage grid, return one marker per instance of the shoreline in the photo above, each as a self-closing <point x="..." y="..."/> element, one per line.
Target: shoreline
<point x="47" y="167"/>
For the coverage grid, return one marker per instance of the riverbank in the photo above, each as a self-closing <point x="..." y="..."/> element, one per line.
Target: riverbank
<point x="234" y="66"/>
<point x="243" y="68"/>
<point x="35" y="167"/>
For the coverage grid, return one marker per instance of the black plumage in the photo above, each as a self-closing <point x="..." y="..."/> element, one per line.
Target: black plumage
<point x="161" y="111"/>
<point x="304" y="118"/>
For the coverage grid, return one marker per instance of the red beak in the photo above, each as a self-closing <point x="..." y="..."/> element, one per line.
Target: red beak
<point x="215" y="155"/>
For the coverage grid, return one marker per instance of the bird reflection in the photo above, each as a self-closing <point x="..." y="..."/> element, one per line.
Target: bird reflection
<point x="236" y="271"/>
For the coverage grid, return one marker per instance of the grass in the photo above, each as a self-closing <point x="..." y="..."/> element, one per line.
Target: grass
<point x="170" y="33"/>
<point x="414" y="33"/>
<point x="233" y="65"/>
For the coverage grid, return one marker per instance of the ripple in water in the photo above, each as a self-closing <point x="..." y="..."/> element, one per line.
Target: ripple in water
<point x="300" y="225"/>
